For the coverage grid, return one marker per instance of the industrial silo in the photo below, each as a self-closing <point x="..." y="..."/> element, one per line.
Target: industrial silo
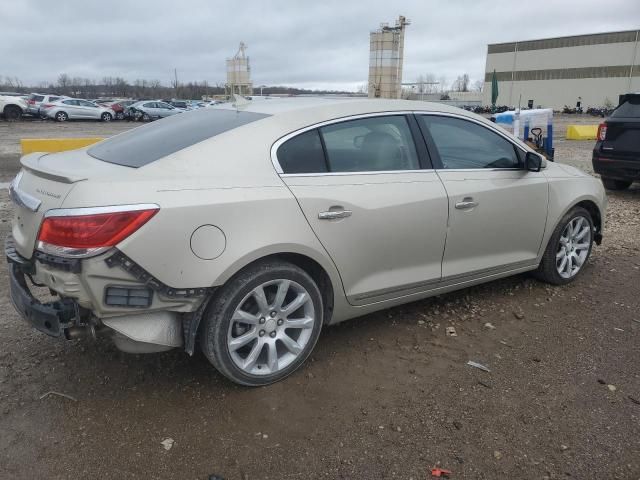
<point x="239" y="73"/>
<point x="386" y="52"/>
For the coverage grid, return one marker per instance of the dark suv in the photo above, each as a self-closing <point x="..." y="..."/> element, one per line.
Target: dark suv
<point x="616" y="156"/>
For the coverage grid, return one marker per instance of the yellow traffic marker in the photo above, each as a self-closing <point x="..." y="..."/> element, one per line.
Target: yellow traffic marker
<point x="582" y="132"/>
<point x="30" y="145"/>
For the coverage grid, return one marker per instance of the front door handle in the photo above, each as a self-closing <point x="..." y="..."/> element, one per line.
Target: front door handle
<point x="333" y="214"/>
<point x="466" y="203"/>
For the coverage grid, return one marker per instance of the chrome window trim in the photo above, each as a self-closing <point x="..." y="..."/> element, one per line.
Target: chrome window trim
<point x="75" y="212"/>
<point x="281" y="140"/>
<point x="372" y="172"/>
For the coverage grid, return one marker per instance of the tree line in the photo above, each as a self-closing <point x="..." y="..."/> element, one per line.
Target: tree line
<point x="118" y="87"/>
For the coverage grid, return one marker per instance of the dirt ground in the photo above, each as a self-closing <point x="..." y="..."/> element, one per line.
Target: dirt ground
<point x="388" y="395"/>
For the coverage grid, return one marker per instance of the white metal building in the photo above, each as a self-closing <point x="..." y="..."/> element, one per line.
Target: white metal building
<point x="386" y="52"/>
<point x="553" y="72"/>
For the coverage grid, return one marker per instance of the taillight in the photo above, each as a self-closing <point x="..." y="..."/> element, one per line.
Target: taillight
<point x="602" y="131"/>
<point x="84" y="232"/>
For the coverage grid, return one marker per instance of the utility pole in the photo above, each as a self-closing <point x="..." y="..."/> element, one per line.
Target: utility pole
<point x="175" y="83"/>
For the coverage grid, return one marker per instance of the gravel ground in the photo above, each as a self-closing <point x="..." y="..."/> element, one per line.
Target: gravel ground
<point x="388" y="395"/>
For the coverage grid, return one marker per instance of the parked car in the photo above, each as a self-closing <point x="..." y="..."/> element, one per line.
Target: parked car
<point x="116" y="106"/>
<point x="181" y="104"/>
<point x="12" y="107"/>
<point x="35" y="100"/>
<point x="76" y="109"/>
<point x="151" y="110"/>
<point x="616" y="155"/>
<point x="247" y="231"/>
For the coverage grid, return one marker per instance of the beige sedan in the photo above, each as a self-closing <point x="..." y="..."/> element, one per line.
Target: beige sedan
<point x="245" y="230"/>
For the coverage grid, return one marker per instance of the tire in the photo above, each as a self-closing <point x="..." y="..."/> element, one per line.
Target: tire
<point x="267" y="334"/>
<point x="106" y="117"/>
<point x="146" y="117"/>
<point x="613" y="184"/>
<point x="120" y="116"/>
<point x="559" y="250"/>
<point x="12" y="113"/>
<point x="61" y="117"/>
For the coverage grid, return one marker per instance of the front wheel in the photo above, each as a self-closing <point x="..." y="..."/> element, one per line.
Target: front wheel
<point x="120" y="116"/>
<point x="263" y="324"/>
<point x="568" y="249"/>
<point x="613" y="184"/>
<point x="106" y="117"/>
<point x="61" y="117"/>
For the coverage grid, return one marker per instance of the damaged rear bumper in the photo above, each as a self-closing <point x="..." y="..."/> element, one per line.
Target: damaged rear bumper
<point x="134" y="329"/>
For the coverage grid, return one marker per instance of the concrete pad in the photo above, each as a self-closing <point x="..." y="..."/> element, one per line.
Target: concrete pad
<point x="582" y="132"/>
<point x="30" y="145"/>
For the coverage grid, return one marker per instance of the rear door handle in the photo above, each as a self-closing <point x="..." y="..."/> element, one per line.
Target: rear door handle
<point x="466" y="203"/>
<point x="333" y="214"/>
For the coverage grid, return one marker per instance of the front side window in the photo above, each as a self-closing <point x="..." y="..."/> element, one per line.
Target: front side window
<point x="370" y="144"/>
<point x="464" y="144"/>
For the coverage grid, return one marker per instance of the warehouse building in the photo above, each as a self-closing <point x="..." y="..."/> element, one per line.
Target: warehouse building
<point x="589" y="70"/>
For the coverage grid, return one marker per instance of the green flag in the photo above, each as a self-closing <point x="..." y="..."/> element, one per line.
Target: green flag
<point x="494" y="89"/>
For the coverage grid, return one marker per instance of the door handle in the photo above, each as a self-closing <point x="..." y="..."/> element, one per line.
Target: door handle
<point x="466" y="203"/>
<point x="333" y="214"/>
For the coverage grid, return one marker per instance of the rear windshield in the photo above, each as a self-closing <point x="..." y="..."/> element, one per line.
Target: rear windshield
<point x="629" y="109"/>
<point x="37" y="98"/>
<point x="141" y="146"/>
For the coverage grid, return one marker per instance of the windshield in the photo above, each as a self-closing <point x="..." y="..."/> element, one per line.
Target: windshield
<point x="141" y="146"/>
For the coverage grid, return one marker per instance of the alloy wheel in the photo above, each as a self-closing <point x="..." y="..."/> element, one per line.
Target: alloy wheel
<point x="573" y="247"/>
<point x="270" y="327"/>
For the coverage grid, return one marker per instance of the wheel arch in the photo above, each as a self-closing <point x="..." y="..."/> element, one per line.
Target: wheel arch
<point x="596" y="216"/>
<point x="326" y="284"/>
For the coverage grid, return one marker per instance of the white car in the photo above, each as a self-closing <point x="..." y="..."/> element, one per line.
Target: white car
<point x="12" y="108"/>
<point x="248" y="230"/>
<point x="76" y="109"/>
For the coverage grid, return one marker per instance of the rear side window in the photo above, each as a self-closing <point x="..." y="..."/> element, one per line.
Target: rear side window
<point x="629" y="109"/>
<point x="37" y="98"/>
<point x="370" y="144"/>
<point x="462" y="144"/>
<point x="54" y="99"/>
<point x="143" y="145"/>
<point x="302" y="154"/>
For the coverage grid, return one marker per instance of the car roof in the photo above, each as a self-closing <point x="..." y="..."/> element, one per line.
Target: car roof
<point x="331" y="107"/>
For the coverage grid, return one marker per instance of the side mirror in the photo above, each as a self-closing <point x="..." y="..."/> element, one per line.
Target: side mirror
<point x="532" y="162"/>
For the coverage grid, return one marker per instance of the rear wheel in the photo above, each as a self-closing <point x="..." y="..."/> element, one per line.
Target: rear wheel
<point x="146" y="117"/>
<point x="263" y="324"/>
<point x="613" y="184"/>
<point x="12" y="113"/>
<point x="61" y="117"/>
<point x="106" y="117"/>
<point x="120" y="116"/>
<point x="568" y="249"/>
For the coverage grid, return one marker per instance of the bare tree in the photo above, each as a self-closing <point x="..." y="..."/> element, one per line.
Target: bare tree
<point x="461" y="84"/>
<point x="478" y="85"/>
<point x="64" y="82"/>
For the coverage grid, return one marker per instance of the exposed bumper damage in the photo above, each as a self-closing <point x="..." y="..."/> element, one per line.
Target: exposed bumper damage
<point x="107" y="294"/>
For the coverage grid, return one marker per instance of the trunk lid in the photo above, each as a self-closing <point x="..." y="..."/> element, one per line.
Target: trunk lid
<point x="43" y="184"/>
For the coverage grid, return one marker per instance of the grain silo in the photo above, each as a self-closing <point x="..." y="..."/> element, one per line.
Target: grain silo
<point x="386" y="52"/>
<point x="239" y="73"/>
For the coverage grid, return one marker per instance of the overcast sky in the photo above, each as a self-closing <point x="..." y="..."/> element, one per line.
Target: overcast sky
<point x="319" y="44"/>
